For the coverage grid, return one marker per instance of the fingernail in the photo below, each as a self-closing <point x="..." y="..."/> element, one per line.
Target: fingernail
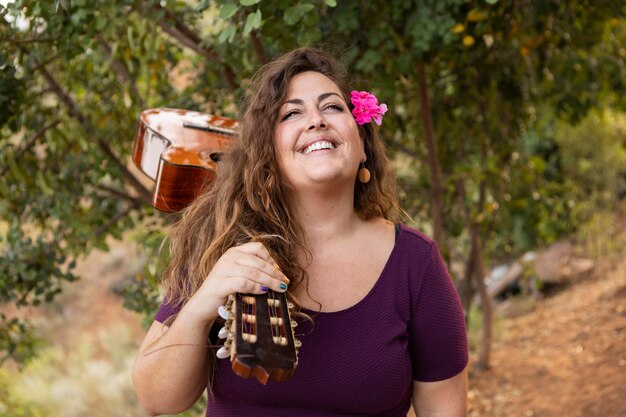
<point x="283" y="286"/>
<point x="264" y="288"/>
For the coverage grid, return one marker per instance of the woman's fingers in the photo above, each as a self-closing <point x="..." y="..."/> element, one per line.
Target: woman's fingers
<point x="263" y="266"/>
<point x="248" y="278"/>
<point x="249" y="268"/>
<point x="248" y="286"/>
<point x="254" y="248"/>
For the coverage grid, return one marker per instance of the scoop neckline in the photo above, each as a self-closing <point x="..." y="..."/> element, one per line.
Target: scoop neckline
<point x="398" y="230"/>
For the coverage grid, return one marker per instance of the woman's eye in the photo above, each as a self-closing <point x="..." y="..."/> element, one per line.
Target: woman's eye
<point x="289" y="114"/>
<point x="335" y="107"/>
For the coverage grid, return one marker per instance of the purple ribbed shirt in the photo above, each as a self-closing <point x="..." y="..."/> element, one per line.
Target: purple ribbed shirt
<point x="361" y="361"/>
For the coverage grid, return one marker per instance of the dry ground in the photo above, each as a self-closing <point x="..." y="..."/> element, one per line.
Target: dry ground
<point x="562" y="355"/>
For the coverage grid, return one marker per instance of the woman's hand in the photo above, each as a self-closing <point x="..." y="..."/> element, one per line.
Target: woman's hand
<point x="247" y="269"/>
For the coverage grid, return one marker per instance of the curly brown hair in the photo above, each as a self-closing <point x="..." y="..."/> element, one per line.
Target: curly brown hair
<point x="249" y="200"/>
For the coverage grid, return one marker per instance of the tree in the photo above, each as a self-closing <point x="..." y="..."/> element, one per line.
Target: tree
<point x="463" y="80"/>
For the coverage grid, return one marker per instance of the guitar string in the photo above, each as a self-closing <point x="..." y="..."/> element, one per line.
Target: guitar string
<point x="275" y="313"/>
<point x="272" y="312"/>
<point x="243" y="323"/>
<point x="182" y="344"/>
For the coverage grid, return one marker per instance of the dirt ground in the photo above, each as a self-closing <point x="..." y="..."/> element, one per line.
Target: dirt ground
<point x="561" y="355"/>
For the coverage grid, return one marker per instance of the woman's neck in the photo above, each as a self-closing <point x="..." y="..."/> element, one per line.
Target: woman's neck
<point x="325" y="218"/>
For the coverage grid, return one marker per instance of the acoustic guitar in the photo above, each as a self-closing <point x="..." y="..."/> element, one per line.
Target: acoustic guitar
<point x="180" y="150"/>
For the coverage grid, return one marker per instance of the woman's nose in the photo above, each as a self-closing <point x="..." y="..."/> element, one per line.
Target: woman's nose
<point x="317" y="122"/>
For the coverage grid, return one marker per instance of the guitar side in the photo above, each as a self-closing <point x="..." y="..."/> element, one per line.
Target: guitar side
<point x="178" y="185"/>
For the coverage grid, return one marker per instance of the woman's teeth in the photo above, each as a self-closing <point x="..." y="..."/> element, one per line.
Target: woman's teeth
<point x="317" y="146"/>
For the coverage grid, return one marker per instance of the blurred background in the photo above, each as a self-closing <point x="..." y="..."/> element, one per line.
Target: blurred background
<point x="506" y="128"/>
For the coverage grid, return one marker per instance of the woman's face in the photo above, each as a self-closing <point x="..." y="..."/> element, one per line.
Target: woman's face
<point x="316" y="138"/>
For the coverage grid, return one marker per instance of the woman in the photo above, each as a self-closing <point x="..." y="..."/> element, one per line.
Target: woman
<point x="287" y="213"/>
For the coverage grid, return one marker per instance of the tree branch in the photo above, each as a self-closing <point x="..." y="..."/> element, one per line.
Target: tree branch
<point x="100" y="230"/>
<point x="26" y="41"/>
<point x="433" y="163"/>
<point x="405" y="150"/>
<point x="75" y="112"/>
<point x="117" y="193"/>
<point x="121" y="71"/>
<point x="31" y="142"/>
<point x="179" y="31"/>
<point x="44" y="63"/>
<point x="259" y="49"/>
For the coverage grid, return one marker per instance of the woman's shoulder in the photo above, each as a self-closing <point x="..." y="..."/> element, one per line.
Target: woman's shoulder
<point x="412" y="236"/>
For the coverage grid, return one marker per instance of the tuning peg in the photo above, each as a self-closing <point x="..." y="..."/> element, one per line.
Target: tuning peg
<point x="223" y="312"/>
<point x="223" y="352"/>
<point x="290" y="306"/>
<point x="223" y="333"/>
<point x="294" y="324"/>
<point x="297" y="343"/>
<point x="229" y="301"/>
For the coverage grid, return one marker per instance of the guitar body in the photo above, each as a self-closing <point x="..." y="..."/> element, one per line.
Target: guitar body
<point x="180" y="150"/>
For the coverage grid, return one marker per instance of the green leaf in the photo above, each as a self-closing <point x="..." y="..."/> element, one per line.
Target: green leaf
<point x="202" y="6"/>
<point x="129" y="34"/>
<point x="228" y="10"/>
<point x="253" y="21"/>
<point x="333" y="3"/>
<point x="491" y="1"/>
<point x="101" y="22"/>
<point x="227" y="34"/>
<point x="294" y="13"/>
<point x="249" y="2"/>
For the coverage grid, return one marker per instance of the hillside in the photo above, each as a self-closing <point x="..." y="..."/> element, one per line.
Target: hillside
<point x="561" y="355"/>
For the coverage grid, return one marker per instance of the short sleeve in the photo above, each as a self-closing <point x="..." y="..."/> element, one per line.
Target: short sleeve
<point x="438" y="336"/>
<point x="167" y="309"/>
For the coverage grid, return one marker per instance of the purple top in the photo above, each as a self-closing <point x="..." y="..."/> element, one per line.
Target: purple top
<point x="361" y="361"/>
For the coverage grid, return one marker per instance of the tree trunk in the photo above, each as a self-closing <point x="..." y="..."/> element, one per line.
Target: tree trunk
<point x="433" y="163"/>
<point x="466" y="288"/>
<point x="484" y="354"/>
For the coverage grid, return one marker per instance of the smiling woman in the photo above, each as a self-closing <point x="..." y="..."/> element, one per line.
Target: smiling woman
<point x="288" y="215"/>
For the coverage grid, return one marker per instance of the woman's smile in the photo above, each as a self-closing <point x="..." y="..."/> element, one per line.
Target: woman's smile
<point x="323" y="143"/>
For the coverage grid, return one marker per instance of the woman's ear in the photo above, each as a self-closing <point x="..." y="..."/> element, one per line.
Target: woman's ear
<point x="362" y="137"/>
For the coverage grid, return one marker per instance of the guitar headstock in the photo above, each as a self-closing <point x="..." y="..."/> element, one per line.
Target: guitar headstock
<point x="259" y="336"/>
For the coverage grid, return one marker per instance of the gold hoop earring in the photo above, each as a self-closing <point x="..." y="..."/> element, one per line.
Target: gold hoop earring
<point x="364" y="174"/>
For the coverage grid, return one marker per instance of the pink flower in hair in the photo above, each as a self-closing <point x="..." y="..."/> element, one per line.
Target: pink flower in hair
<point x="366" y="107"/>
